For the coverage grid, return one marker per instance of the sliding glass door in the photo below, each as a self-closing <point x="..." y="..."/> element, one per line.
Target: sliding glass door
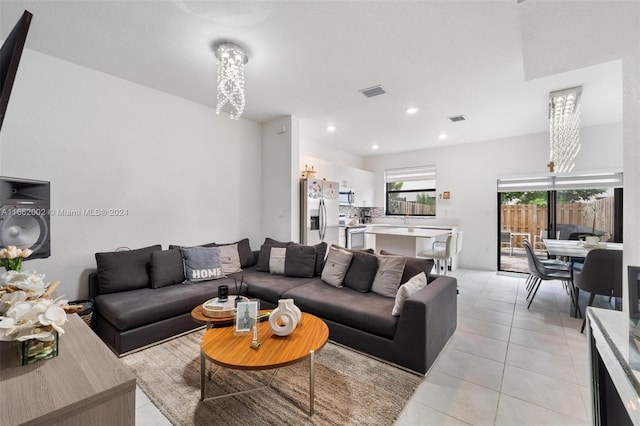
<point x="559" y="207"/>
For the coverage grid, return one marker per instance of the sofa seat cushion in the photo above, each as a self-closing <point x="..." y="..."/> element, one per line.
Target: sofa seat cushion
<point x="131" y="309"/>
<point x="368" y="312"/>
<point x="263" y="285"/>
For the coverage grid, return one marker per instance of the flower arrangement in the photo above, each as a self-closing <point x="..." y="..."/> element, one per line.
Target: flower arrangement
<point x="26" y="309"/>
<point x="11" y="257"/>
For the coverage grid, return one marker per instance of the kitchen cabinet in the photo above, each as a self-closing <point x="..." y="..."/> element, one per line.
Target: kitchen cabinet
<point x="363" y="186"/>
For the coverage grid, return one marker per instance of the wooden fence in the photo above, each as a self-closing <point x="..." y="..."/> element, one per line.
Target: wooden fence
<point x="410" y="208"/>
<point x="532" y="218"/>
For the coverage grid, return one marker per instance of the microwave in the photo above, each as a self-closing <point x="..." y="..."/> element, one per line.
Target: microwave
<point x="347" y="198"/>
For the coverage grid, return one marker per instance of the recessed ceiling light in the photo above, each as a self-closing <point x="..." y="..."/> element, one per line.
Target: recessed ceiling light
<point x="442" y="136"/>
<point x="375" y="147"/>
<point x="331" y="129"/>
<point x="412" y="110"/>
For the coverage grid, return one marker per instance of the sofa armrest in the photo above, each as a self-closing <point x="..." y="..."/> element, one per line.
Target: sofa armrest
<point x="428" y="319"/>
<point x="94" y="289"/>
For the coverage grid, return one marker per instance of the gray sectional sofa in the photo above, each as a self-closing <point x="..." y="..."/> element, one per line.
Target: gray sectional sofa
<point x="141" y="297"/>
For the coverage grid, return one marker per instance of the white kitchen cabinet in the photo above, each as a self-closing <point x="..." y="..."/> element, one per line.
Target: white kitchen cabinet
<point x="364" y="187"/>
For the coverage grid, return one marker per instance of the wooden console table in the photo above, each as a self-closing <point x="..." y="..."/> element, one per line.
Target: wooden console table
<point x="85" y="384"/>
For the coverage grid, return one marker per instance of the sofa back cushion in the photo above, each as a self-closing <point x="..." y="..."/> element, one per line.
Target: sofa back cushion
<point x="265" y="253"/>
<point x="362" y="271"/>
<point x="124" y="270"/>
<point x="387" y="279"/>
<point x="336" y="266"/>
<point x="166" y="268"/>
<point x="202" y="263"/>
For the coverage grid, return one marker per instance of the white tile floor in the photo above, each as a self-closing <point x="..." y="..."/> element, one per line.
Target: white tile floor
<point x="505" y="365"/>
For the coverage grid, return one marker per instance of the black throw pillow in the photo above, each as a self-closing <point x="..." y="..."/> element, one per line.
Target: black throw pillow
<point x="166" y="268"/>
<point x="321" y="254"/>
<point x="361" y="272"/>
<point x="300" y="261"/>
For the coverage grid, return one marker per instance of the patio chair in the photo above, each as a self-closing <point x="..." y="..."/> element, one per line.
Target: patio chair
<point x="506" y="239"/>
<point x="601" y="274"/>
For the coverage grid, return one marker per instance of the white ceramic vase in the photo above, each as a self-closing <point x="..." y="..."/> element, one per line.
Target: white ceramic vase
<point x="284" y="319"/>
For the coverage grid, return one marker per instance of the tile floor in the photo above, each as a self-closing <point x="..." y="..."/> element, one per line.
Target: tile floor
<point x="505" y="365"/>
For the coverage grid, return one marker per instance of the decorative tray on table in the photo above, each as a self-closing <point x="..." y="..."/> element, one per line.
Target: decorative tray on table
<point x="214" y="308"/>
<point x="590" y="245"/>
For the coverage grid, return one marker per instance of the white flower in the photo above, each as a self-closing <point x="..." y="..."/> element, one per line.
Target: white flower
<point x="9" y="299"/>
<point x="12" y="252"/>
<point x="33" y="319"/>
<point x="26" y="252"/>
<point x="29" y="281"/>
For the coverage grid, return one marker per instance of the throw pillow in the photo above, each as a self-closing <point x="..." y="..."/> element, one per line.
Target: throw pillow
<point x="336" y="266"/>
<point x="388" y="276"/>
<point x="276" y="260"/>
<point x="265" y="253"/>
<point x="202" y="263"/>
<point x="321" y="254"/>
<point x="413" y="267"/>
<point x="244" y="251"/>
<point x="166" y="268"/>
<point x="124" y="270"/>
<point x="362" y="271"/>
<point x="412" y="286"/>
<point x="300" y="260"/>
<point x="230" y="259"/>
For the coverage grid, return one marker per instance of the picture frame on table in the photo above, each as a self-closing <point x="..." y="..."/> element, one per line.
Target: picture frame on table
<point x="246" y="316"/>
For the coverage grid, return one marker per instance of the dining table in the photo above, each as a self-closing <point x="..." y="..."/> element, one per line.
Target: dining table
<point x="575" y="251"/>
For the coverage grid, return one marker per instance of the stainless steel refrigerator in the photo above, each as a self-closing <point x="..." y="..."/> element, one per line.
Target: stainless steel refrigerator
<point x="318" y="211"/>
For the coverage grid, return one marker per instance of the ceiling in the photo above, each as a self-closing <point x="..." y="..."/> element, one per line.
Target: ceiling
<point x="311" y="58"/>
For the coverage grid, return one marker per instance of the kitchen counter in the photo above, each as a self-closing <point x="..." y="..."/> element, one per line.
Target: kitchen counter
<point x="411" y="231"/>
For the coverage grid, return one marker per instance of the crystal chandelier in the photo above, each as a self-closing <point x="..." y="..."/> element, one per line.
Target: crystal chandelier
<point x="564" y="128"/>
<point x="231" y="60"/>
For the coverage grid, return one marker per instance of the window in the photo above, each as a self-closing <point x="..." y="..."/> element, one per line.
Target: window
<point x="411" y="191"/>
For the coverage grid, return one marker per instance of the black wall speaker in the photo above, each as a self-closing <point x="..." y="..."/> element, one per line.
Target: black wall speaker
<point x="24" y="215"/>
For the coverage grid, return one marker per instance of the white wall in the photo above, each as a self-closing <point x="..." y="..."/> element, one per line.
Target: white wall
<point x="185" y="175"/>
<point x="470" y="172"/>
<point x="280" y="179"/>
<point x="309" y="148"/>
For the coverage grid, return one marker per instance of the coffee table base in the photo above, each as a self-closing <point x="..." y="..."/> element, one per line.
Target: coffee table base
<point x="203" y="380"/>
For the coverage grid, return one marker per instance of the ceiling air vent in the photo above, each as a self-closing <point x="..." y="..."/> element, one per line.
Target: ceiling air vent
<point x="457" y="118"/>
<point x="373" y="91"/>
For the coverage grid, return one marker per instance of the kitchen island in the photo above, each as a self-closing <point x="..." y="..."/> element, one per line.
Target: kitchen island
<point x="407" y="241"/>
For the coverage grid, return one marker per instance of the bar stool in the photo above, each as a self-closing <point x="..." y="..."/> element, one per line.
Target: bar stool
<point x="441" y="251"/>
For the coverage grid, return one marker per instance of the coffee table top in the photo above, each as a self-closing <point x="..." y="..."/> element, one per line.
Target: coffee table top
<point x="225" y="347"/>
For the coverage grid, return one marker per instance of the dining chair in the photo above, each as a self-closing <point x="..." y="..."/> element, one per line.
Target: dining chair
<point x="441" y="251"/>
<point x="601" y="275"/>
<point x="541" y="273"/>
<point x="553" y="264"/>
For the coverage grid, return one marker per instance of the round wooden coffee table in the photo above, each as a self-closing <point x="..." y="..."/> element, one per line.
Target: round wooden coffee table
<point x="226" y="348"/>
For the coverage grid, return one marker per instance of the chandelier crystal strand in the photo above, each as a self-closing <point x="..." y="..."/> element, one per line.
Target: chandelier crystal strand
<point x="231" y="60"/>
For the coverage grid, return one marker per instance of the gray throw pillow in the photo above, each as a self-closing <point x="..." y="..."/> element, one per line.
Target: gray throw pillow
<point x="265" y="253"/>
<point x="321" y="254"/>
<point x="300" y="260"/>
<point x="336" y="266"/>
<point x="362" y="271"/>
<point x="166" y="268"/>
<point x="230" y="259"/>
<point x="276" y="260"/>
<point x="388" y="276"/>
<point x="202" y="263"/>
<point x="415" y="284"/>
<point x="413" y="267"/>
<point x="124" y="270"/>
<point x="244" y="251"/>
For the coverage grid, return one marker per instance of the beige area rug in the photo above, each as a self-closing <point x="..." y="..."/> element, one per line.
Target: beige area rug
<point x="350" y="388"/>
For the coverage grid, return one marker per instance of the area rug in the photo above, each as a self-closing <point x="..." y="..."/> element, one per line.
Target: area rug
<point x="350" y="388"/>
